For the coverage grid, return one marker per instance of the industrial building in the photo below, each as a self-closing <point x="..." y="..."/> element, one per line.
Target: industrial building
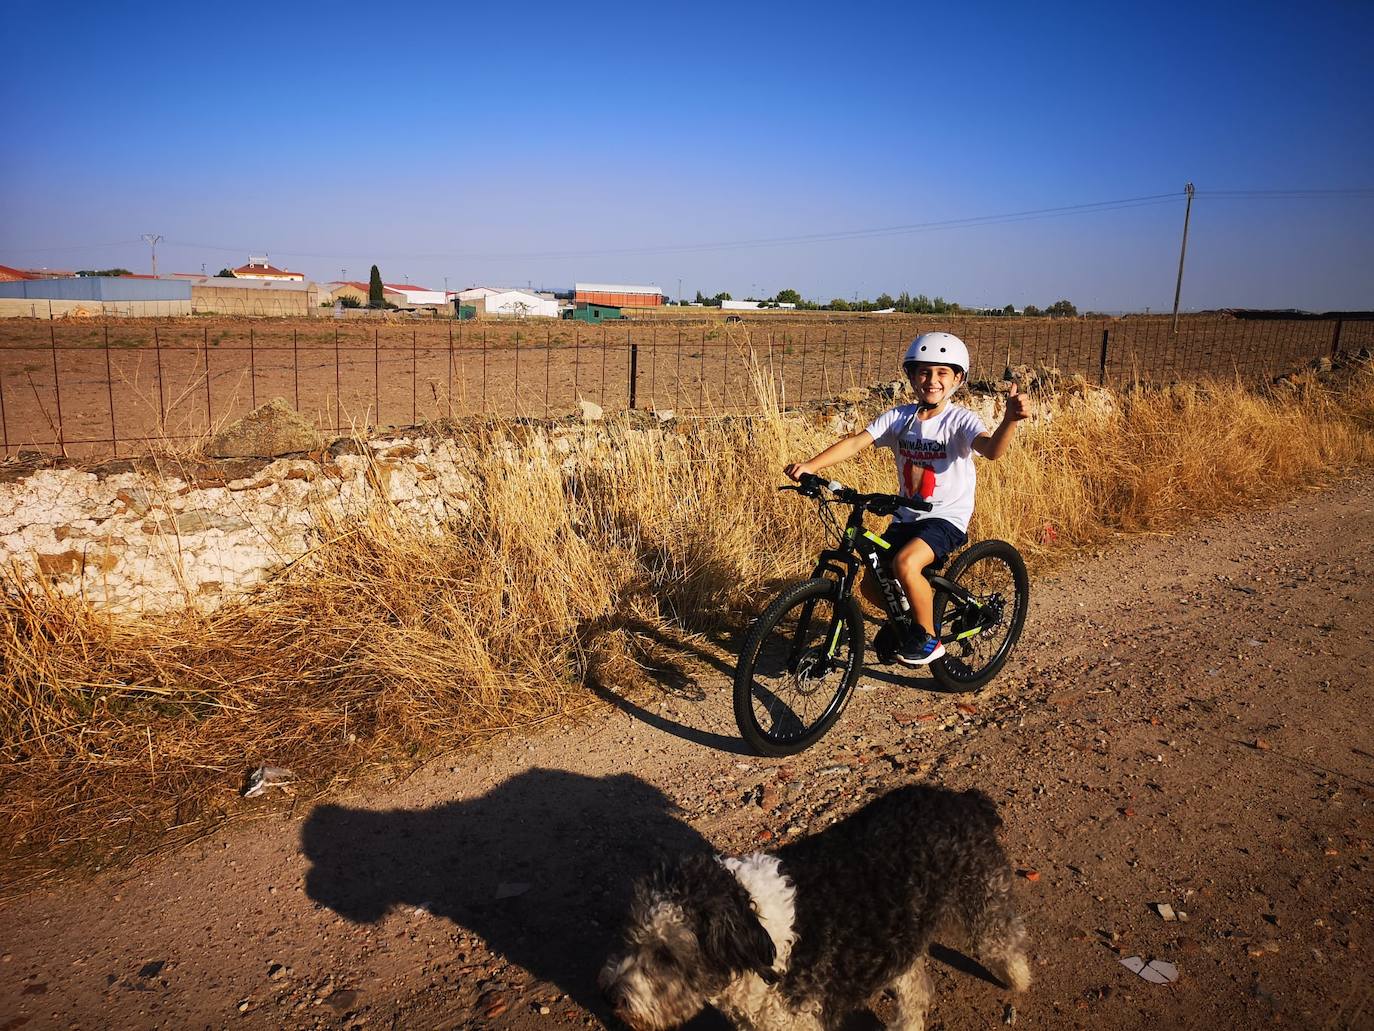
<point x="618" y="295"/>
<point x="224" y="296"/>
<point x="94" y="295"/>
<point x="584" y="312"/>
<point x="416" y="296"/>
<point x="513" y="303"/>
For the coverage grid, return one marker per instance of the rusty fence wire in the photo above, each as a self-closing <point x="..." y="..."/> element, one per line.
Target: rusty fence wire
<point x="121" y="388"/>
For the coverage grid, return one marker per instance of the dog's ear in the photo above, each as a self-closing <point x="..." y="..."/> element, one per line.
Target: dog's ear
<point x="732" y="936"/>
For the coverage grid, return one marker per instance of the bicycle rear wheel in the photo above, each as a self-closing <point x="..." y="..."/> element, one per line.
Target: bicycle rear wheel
<point x="995" y="574"/>
<point x="798" y="667"/>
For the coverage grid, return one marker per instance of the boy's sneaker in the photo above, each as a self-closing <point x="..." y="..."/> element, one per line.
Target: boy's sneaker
<point x="920" y="649"/>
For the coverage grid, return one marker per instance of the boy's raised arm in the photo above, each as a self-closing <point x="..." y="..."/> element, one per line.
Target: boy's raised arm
<point x="843" y="449"/>
<point x="994" y="445"/>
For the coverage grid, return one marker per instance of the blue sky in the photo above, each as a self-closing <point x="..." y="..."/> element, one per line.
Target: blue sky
<point x="643" y="144"/>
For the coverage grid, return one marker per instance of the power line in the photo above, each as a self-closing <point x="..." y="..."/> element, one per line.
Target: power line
<point x="76" y="247"/>
<point x="973" y="221"/>
<point x="836" y="236"/>
<point x="1288" y="194"/>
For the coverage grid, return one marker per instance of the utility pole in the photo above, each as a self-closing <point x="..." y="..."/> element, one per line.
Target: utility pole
<point x="343" y="275"/>
<point x="1183" y="251"/>
<point x="152" y="240"/>
<point x="679" y="291"/>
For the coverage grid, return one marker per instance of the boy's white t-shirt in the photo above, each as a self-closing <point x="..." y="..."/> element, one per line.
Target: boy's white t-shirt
<point x="934" y="459"/>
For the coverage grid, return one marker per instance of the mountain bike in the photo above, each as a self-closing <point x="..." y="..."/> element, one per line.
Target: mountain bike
<point x="803" y="655"/>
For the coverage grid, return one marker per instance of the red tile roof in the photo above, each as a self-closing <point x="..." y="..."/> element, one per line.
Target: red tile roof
<point x="267" y="270"/>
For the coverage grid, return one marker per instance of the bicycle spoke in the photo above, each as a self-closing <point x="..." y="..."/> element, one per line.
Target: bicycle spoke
<point x="794" y="681"/>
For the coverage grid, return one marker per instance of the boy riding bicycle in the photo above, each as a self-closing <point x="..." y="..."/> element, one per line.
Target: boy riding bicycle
<point x="933" y="443"/>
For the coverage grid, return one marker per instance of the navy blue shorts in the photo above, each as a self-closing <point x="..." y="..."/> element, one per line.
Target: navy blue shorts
<point x="941" y="535"/>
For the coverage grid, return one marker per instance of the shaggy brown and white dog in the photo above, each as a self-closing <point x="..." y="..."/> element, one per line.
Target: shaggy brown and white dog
<point x="801" y="938"/>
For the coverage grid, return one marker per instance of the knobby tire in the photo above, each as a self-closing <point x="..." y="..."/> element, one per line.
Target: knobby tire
<point x="778" y="711"/>
<point x="985" y="567"/>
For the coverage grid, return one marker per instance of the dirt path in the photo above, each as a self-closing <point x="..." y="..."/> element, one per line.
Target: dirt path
<point x="1187" y="721"/>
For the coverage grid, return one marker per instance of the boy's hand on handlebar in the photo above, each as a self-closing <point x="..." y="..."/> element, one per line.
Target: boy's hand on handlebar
<point x="1018" y="405"/>
<point x="796" y="470"/>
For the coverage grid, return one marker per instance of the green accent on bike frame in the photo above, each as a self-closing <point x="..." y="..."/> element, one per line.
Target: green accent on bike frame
<point x="834" y="642"/>
<point x="876" y="539"/>
<point x="967" y="633"/>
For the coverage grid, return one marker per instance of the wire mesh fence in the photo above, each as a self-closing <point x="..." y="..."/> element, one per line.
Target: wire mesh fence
<point x="121" y="387"/>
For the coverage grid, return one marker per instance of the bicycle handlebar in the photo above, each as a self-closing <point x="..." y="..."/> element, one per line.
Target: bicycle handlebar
<point x="810" y="485"/>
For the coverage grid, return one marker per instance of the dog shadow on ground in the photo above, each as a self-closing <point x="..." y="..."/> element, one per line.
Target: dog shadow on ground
<point x="540" y="867"/>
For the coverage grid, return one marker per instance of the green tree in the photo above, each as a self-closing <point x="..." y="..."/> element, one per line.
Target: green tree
<point x="1061" y="310"/>
<point x="788" y="297"/>
<point x="1030" y="309"/>
<point x="885" y="301"/>
<point x="375" y="297"/>
<point x="104" y="272"/>
<point x="1009" y="310"/>
<point x="699" y="298"/>
<point x="225" y="273"/>
<point x="839" y="304"/>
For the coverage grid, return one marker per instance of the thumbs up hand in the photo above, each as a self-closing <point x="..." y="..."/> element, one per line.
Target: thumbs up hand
<point x="1018" y="404"/>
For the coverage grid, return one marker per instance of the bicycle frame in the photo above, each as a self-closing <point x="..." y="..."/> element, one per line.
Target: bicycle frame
<point x="862" y="547"/>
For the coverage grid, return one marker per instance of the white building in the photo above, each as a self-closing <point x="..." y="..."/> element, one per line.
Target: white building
<point x="517" y="303"/>
<point x="259" y="267"/>
<point x="416" y="296"/>
<point x="476" y="293"/>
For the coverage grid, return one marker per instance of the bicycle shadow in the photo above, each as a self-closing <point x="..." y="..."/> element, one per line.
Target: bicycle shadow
<point x="541" y="867"/>
<point x="666" y="660"/>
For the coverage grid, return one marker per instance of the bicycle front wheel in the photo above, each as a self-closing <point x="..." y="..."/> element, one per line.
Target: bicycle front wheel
<point x="985" y="630"/>
<point x="798" y="667"/>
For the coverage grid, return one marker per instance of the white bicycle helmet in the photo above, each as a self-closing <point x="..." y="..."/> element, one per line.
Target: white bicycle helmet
<point x="938" y="349"/>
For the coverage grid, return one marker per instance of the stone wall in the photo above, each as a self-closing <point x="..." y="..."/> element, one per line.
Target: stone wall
<point x="135" y="537"/>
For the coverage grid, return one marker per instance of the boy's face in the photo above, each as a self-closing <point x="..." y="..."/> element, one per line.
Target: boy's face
<point x="932" y="383"/>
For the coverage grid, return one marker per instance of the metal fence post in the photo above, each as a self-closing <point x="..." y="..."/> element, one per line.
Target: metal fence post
<point x="1336" y="339"/>
<point x="209" y="407"/>
<point x="109" y="392"/>
<point x="1102" y="362"/>
<point x="701" y="371"/>
<point x="634" y="371"/>
<point x="5" y="423"/>
<point x="161" y="399"/>
<point x="57" y="393"/>
<point x="338" y="389"/>
<point x="295" y="367"/>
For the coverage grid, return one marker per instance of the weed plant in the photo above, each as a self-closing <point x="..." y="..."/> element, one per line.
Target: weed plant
<point x="390" y="642"/>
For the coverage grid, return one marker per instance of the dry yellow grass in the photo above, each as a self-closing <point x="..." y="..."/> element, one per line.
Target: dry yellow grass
<point x="390" y="643"/>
